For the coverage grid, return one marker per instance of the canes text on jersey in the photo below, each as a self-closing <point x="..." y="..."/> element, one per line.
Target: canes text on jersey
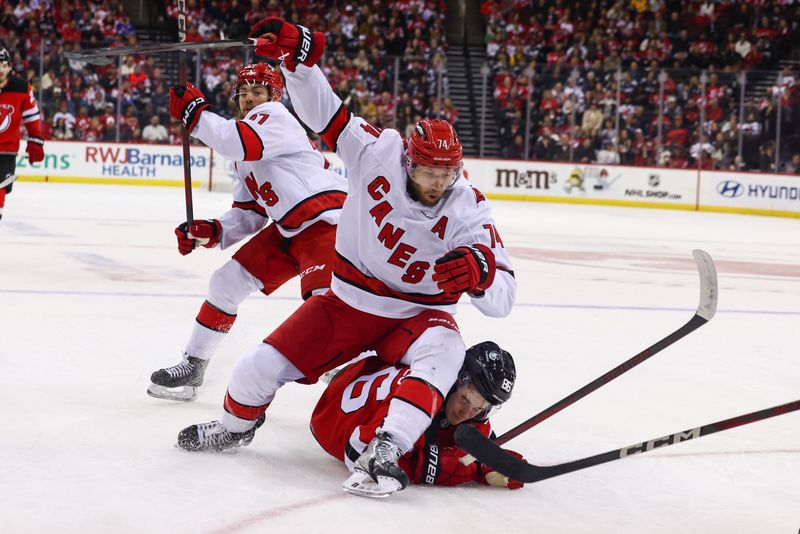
<point x="390" y="236"/>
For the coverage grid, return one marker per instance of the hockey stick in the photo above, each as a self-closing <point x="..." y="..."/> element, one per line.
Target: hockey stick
<point x="8" y="179"/>
<point x="491" y="454"/>
<point x="187" y="163"/>
<point x="706" y="309"/>
<point x="100" y="56"/>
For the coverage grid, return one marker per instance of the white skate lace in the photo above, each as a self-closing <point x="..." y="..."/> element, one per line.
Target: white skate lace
<point x="386" y="452"/>
<point x="183" y="369"/>
<point x="213" y="434"/>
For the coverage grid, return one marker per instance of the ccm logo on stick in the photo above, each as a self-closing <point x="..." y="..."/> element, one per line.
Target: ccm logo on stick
<point x="660" y="442"/>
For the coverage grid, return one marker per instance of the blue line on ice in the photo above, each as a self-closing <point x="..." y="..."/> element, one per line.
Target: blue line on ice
<point x="274" y="297"/>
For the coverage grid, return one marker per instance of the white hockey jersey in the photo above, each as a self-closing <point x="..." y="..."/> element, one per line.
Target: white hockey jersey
<point x="387" y="243"/>
<point x="280" y="173"/>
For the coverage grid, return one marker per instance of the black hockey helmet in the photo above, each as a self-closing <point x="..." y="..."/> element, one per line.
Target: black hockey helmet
<point x="491" y="370"/>
<point x="5" y="57"/>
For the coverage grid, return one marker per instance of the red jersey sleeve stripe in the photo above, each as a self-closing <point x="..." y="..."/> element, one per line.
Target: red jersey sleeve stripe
<point x="334" y="128"/>
<point x="311" y="208"/>
<point x="251" y="206"/>
<point x="252" y="144"/>
<point x="347" y="273"/>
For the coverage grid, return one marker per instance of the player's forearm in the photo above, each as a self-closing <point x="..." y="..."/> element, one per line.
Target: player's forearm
<point x="220" y="135"/>
<point x="312" y="97"/>
<point x="238" y="224"/>
<point x="498" y="299"/>
<point x="34" y="128"/>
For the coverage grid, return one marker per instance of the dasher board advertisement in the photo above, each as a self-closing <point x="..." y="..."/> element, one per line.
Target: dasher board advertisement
<point x="121" y="163"/>
<point x="584" y="183"/>
<point x="755" y="193"/>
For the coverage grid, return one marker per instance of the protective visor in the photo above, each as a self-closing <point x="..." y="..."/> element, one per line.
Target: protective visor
<point x="250" y="89"/>
<point x="439" y="178"/>
<point x="487" y="410"/>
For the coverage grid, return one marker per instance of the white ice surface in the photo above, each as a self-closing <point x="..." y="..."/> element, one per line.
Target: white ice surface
<point x="94" y="296"/>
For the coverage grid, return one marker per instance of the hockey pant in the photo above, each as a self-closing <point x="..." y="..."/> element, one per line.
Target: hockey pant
<point x="266" y="262"/>
<point x="434" y="360"/>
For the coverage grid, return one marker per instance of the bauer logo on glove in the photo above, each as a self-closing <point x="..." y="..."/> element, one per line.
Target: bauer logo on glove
<point x="305" y="43"/>
<point x="291" y="43"/>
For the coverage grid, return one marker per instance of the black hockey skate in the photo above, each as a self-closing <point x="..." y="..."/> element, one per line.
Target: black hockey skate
<point x="212" y="437"/>
<point x="376" y="472"/>
<point x="180" y="382"/>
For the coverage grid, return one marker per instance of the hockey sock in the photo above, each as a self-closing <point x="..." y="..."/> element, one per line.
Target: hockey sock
<point x="209" y="330"/>
<point x="255" y="380"/>
<point x="240" y="417"/>
<point x="411" y="411"/>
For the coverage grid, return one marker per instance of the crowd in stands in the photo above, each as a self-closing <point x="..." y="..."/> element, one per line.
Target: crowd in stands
<point x="373" y="52"/>
<point x="554" y="67"/>
<point x="534" y="47"/>
<point x="79" y="101"/>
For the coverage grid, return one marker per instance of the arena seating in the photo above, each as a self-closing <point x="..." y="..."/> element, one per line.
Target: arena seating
<point x="561" y="59"/>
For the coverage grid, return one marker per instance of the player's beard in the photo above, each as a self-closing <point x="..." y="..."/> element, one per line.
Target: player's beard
<point x="426" y="196"/>
<point x="430" y="197"/>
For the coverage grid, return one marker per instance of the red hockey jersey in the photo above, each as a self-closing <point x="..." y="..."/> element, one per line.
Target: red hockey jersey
<point x="17" y="106"/>
<point x="354" y="405"/>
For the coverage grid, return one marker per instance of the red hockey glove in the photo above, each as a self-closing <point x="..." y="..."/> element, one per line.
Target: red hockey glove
<point x="35" y="149"/>
<point x="201" y="232"/>
<point x="442" y="467"/>
<point x="291" y="43"/>
<point x="469" y="269"/>
<point x="186" y="104"/>
<point x="490" y="477"/>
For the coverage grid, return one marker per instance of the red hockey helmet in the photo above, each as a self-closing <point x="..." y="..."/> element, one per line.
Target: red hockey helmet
<point x="434" y="143"/>
<point x="259" y="74"/>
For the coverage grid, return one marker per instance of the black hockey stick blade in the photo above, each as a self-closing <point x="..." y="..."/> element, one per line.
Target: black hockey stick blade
<point x="101" y="56"/>
<point x="489" y="453"/>
<point x="706" y="309"/>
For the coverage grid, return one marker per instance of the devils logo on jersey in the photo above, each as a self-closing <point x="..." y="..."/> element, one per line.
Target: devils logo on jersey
<point x="17" y="107"/>
<point x="6" y="113"/>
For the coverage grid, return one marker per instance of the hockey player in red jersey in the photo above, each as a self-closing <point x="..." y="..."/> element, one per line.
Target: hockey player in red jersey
<point x="413" y="238"/>
<point x="280" y="176"/>
<point x="17" y="107"/>
<point x="354" y="404"/>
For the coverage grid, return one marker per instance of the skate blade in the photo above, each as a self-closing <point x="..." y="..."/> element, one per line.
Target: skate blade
<point x="181" y="394"/>
<point x="361" y="484"/>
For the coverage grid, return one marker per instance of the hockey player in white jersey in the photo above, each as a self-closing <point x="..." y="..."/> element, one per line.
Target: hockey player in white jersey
<point x="280" y="176"/>
<point x="414" y="236"/>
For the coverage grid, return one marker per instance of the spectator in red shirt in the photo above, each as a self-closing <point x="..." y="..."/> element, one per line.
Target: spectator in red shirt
<point x="714" y="111"/>
<point x="549" y="102"/>
<point x="138" y="79"/>
<point x="678" y="134"/>
<point x="82" y="122"/>
<point x="691" y="112"/>
<point x="70" y="33"/>
<point x="677" y="159"/>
